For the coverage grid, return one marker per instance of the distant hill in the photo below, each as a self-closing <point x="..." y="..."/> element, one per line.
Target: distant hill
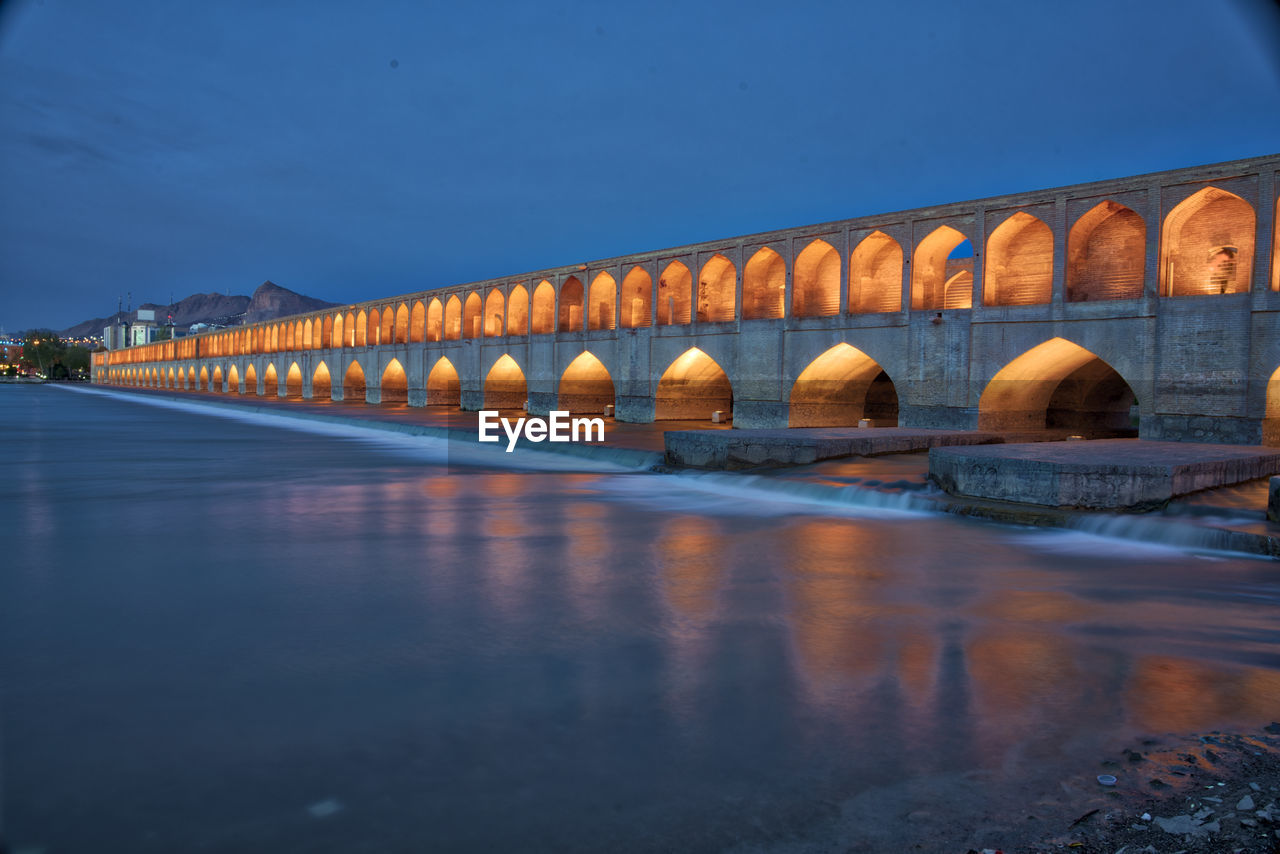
<point x="268" y="302"/>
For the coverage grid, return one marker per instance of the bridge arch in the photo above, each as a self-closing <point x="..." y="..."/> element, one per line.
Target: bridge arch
<point x="1275" y="250"/>
<point x="1206" y="245"/>
<point x="216" y="384"/>
<point x="344" y="330"/>
<point x="453" y="318"/>
<point x="494" y="309"/>
<point x="443" y="386"/>
<point x="191" y="377"/>
<point x="401" y="332"/>
<point x="816" y="281"/>
<point x="1271" y="419"/>
<point x="435" y="320"/>
<point x="250" y="379"/>
<point x="172" y="382"/>
<point x="204" y="378"/>
<point x="387" y="326"/>
<point x="938" y="281"/>
<point x="585" y="386"/>
<point x="875" y="275"/>
<point x="542" y="316"/>
<point x="1018" y="268"/>
<point x="675" y="295"/>
<point x="717" y="290"/>
<point x="306" y="336"/>
<point x="504" y="385"/>
<point x="1057" y="384"/>
<point x="518" y="311"/>
<point x="362" y="329"/>
<point x="692" y="387"/>
<point x="603" y="296"/>
<point x="394" y="386"/>
<point x="571" y="305"/>
<point x="353" y="385"/>
<point x="764" y="286"/>
<point x="233" y="380"/>
<point x="293" y="381"/>
<point x="472" y="316"/>
<point x="1106" y="253"/>
<point x="298" y="342"/>
<point x="637" y="298"/>
<point x="841" y="387"/>
<point x="321" y="383"/>
<point x="326" y="337"/>
<point x="417" y="322"/>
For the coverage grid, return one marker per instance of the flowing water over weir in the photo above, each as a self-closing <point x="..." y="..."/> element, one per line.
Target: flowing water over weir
<point x="255" y="633"/>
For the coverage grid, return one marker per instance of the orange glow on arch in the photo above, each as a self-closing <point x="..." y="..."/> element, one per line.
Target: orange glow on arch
<point x="293" y="381"/>
<point x="493" y="312"/>
<point x="1206" y="245"/>
<point x="1018" y="269"/>
<point x="764" y="286"/>
<point x="321" y="383"/>
<point x="570" y="305"/>
<point x="394" y="384"/>
<point x="717" y="290"/>
<point x="585" y="386"/>
<point x="453" y="318"/>
<point x="435" y="321"/>
<point x="443" y="386"/>
<point x="543" y="316"/>
<point x="637" y="299"/>
<point x="816" y="281"/>
<point x="504" y="385"/>
<point x="1056" y="384"/>
<point x="875" y="275"/>
<point x="353" y="385"/>
<point x="604" y="291"/>
<point x="692" y="387"/>
<point x="233" y="380"/>
<point x="1106" y="253"/>
<point x="417" y="322"/>
<point x="841" y="387"/>
<point x="250" y="379"/>
<point x="518" y="311"/>
<point x="936" y="281"/>
<point x="472" y="316"/>
<point x="675" y="295"/>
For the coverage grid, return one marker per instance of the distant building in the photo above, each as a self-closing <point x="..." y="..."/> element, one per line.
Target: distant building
<point x="115" y="336"/>
<point x="144" y="328"/>
<point x="10" y="354"/>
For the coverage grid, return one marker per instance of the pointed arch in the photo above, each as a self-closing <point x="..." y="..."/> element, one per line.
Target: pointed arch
<point x="387" y="328"/>
<point x="417" y="322"/>
<point x="402" y="324"/>
<point x="233" y="380"/>
<point x="472" y="316"/>
<point x="173" y="383"/>
<point x="1206" y="245"/>
<point x="637" y="299"/>
<point x="435" y="320"/>
<point x="504" y="385"/>
<point x="764" y="286"/>
<point x="585" y="386"/>
<point x="875" y="275"/>
<point x="373" y="328"/>
<point x="251" y="379"/>
<point x="603" y="295"/>
<point x="191" y="376"/>
<point x="494" y="309"/>
<point x="717" y="290"/>
<point x="298" y="343"/>
<point x="1271" y="418"/>
<point x="362" y="329"/>
<point x="453" y="318"/>
<point x="543" y="316"/>
<point x="353" y="385"/>
<point x="216" y="384"/>
<point x="338" y="339"/>
<point x="1018" y="269"/>
<point x="305" y="340"/>
<point x="935" y="274"/>
<point x="1106" y="252"/>
<point x="293" y="381"/>
<point x="443" y="386"/>
<point x="1057" y="384"/>
<point x="518" y="311"/>
<point x="675" y="295"/>
<point x="321" y="383"/>
<point x="394" y="386"/>
<point x="839" y="388"/>
<point x="570" y="305"/>
<point x="816" y="279"/>
<point x="692" y="387"/>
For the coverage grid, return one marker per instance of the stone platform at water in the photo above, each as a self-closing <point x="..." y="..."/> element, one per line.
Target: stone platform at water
<point x="1113" y="474"/>
<point x="742" y="449"/>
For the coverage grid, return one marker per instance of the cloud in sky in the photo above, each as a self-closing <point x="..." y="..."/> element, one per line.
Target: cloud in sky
<point x="174" y="148"/>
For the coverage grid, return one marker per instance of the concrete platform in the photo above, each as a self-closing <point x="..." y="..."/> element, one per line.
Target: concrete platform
<point x="742" y="449"/>
<point x="1131" y="474"/>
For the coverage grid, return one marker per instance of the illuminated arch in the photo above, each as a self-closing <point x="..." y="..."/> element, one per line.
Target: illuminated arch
<point x="339" y="338"/>
<point x="216" y="385"/>
<point x="1275" y="250"/>
<point x="387" y="326"/>
<point x="250" y="379"/>
<point x="286" y="338"/>
<point x="1106" y="252"/>
<point x="717" y="290"/>
<point x="1206" y="245"/>
<point x="321" y="383"/>
<point x="453" y="318"/>
<point x="937" y="279"/>
<point x="816" y="281"/>
<point x="570" y="305"/>
<point x="435" y="320"/>
<point x="298" y="343"/>
<point x="362" y="329"/>
<point x="204" y="378"/>
<point x="1271" y="420"/>
<point x="543" y="315"/>
<point x="443" y="386"/>
<point x="304" y="343"/>
<point x="326" y="336"/>
<point x="637" y="299"/>
<point x="692" y="387"/>
<point x="394" y="385"/>
<point x="675" y="295"/>
<point x="191" y="376"/>
<point x="402" y="324"/>
<point x="373" y="328"/>
<point x="173" y="383"/>
<point x="504" y="386"/>
<point x="764" y="286"/>
<point x="518" y="311"/>
<point x="233" y="380"/>
<point x="841" y="387"/>
<point x="585" y="386"/>
<point x="1018" y="269"/>
<point x="1057" y="384"/>
<point x="271" y="379"/>
<point x="353" y="387"/>
<point x="603" y="294"/>
<point x="293" y="381"/>
<point x="875" y="275"/>
<point x="493" y="314"/>
<point x="417" y="322"/>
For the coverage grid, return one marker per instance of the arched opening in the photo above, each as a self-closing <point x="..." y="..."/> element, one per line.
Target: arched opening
<point x="585" y="386"/>
<point x="544" y="308"/>
<point x="604" y="291"/>
<point x="764" y="286"/>
<point x="1019" y="266"/>
<point x="417" y="322"/>
<point x="293" y="382"/>
<point x="1058" y="385"/>
<point x="875" y="275"/>
<point x="233" y="380"/>
<point x="326" y="333"/>
<point x="841" y="387"/>
<point x="204" y="377"/>
<point x="216" y="386"/>
<point x="402" y="325"/>
<point x="493" y="314"/>
<point x="394" y="385"/>
<point x="362" y="329"/>
<point x="435" y="321"/>
<point x="344" y="330"/>
<point x="693" y="387"/>
<point x="571" y="305"/>
<point x="191" y="377"/>
<point x="306" y="335"/>
<point x="637" y="299"/>
<point x="1106" y="249"/>
<point x="353" y="383"/>
<point x="289" y="338"/>
<point x="250" y="380"/>
<point x="940" y="272"/>
<point x="453" y="318"/>
<point x="518" y="311"/>
<point x="443" y="386"/>
<point x="172" y="382"/>
<point x="1271" y="420"/>
<point x="675" y="295"/>
<point x="272" y="380"/>
<point x="816" y="279"/>
<point x="717" y="290"/>
<point x="504" y="386"/>
<point x="1206" y="245"/>
<point x="321" y="383"/>
<point x="387" y="328"/>
<point x="298" y="342"/>
<point x="472" y="316"/>
<point x="1275" y="251"/>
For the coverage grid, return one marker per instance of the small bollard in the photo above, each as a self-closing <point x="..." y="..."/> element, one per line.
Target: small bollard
<point x="608" y="410"/>
<point x="1273" y="500"/>
<point x="719" y="416"/>
<point x="864" y="422"/>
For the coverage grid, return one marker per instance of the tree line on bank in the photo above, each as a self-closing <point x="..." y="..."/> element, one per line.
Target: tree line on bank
<point x="47" y="355"/>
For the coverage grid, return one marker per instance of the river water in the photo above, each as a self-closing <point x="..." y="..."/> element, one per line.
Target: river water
<point x="233" y="634"/>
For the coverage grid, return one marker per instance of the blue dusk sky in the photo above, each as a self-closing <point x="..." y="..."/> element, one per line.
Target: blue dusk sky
<point x="351" y="151"/>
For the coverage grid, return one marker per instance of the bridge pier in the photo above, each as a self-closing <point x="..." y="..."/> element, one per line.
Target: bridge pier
<point x="633" y="408"/>
<point x="1224" y="429"/>
<point x="543" y="402"/>
<point x="472" y="400"/>
<point x="761" y="414"/>
<point x="417" y="397"/>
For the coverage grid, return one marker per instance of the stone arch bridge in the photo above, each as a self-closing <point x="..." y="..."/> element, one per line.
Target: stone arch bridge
<point x="1152" y="300"/>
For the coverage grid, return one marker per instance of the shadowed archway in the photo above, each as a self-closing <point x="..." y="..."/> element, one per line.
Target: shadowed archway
<point x="504" y="386"/>
<point x="692" y="387"/>
<point x="841" y="387"/>
<point x="585" y="386"/>
<point x="443" y="386"/>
